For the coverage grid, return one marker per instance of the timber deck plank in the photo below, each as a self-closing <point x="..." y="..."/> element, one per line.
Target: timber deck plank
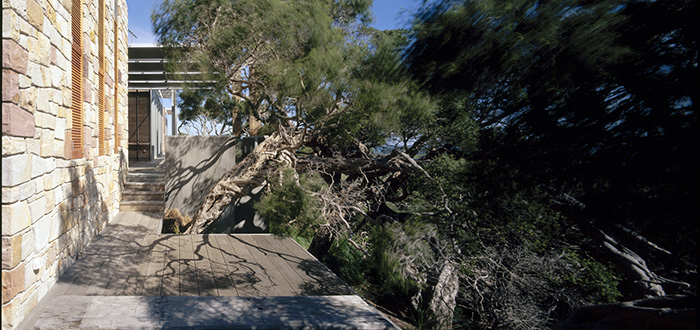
<point x="239" y="273"/>
<point x="276" y="258"/>
<point x="139" y="270"/>
<point x="111" y="256"/>
<point x="130" y="264"/>
<point x="250" y="271"/>
<point x="188" y="272"/>
<point x="121" y="273"/>
<point x="171" y="266"/>
<point x="130" y="258"/>
<point x="73" y="273"/>
<point x="156" y="267"/>
<point x="278" y="284"/>
<point x="205" y="276"/>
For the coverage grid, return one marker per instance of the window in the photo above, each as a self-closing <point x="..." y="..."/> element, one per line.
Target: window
<point x="76" y="135"/>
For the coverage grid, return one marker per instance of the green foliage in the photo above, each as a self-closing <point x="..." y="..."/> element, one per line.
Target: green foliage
<point x="348" y="262"/>
<point x="593" y="279"/>
<point x="399" y="257"/>
<point x="289" y="207"/>
<point x="390" y="282"/>
<point x="313" y="63"/>
<point x="593" y="99"/>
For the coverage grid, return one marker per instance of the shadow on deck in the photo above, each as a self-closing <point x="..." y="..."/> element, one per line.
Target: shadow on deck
<point x="130" y="276"/>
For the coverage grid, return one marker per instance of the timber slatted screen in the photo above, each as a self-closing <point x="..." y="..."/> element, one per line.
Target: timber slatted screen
<point x="139" y="125"/>
<point x="115" y="79"/>
<point x="76" y="139"/>
<point x="101" y="76"/>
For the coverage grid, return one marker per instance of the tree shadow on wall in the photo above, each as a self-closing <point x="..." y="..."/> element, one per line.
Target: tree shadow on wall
<point x="188" y="164"/>
<point x="83" y="212"/>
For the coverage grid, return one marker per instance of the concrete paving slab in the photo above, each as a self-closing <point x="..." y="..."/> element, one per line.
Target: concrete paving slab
<point x="200" y="312"/>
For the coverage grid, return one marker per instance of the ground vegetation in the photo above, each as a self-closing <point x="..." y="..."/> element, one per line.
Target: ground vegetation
<point x="498" y="166"/>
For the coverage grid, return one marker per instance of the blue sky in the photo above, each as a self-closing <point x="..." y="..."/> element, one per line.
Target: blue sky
<point x="388" y="14"/>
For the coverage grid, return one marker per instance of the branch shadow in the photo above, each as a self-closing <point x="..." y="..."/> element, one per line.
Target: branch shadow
<point x="193" y="165"/>
<point x="129" y="259"/>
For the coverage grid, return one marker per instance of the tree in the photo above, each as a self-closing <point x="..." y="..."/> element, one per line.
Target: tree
<point x="309" y="72"/>
<point x="594" y="103"/>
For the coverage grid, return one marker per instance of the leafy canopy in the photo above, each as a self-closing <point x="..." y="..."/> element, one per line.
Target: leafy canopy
<point x="309" y="63"/>
<point x="594" y="99"/>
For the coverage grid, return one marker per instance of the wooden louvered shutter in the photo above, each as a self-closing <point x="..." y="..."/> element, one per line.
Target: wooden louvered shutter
<point x="101" y="76"/>
<point x="116" y="83"/>
<point x="76" y="139"/>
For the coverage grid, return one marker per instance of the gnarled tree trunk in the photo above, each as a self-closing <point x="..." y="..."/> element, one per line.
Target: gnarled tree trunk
<point x="251" y="172"/>
<point x="667" y="312"/>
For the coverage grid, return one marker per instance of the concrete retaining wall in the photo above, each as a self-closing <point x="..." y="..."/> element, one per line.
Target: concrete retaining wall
<point x="194" y="164"/>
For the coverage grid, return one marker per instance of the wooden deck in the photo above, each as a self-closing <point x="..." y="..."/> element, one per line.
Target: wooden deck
<point x="130" y="258"/>
<point x="132" y="277"/>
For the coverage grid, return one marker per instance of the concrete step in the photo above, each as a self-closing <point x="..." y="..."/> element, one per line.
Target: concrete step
<point x="142" y="206"/>
<point x="199" y="312"/>
<point x="139" y="195"/>
<point x="145" y="186"/>
<point x="137" y="170"/>
<point x="145" y="177"/>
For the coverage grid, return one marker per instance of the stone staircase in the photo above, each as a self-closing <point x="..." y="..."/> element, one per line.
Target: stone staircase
<point x="144" y="190"/>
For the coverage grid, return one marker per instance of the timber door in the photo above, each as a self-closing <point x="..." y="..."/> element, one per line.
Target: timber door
<point x="139" y="126"/>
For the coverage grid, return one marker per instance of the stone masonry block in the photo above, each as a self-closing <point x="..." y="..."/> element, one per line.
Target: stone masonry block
<point x="11" y="313"/>
<point x="34" y="146"/>
<point x="57" y="77"/>
<point x="29" y="275"/>
<point x="38" y="208"/>
<point x="28" y="243"/>
<point x="12" y="145"/>
<point x="29" y="301"/>
<point x="50" y="30"/>
<point x="14" y="56"/>
<point x="50" y="201"/>
<point x="27" y="98"/>
<point x="15" y="218"/>
<point x="44" y="44"/>
<point x="42" y="99"/>
<point x="19" y="5"/>
<point x="51" y="14"/>
<point x="16" y="121"/>
<point x="10" y="86"/>
<point x="24" y="81"/>
<point x="35" y="14"/>
<point x="10" y="24"/>
<point x="34" y="72"/>
<point x="47" y="138"/>
<point x="58" y="226"/>
<point x="12" y="283"/>
<point x="16" y="169"/>
<point x="39" y="166"/>
<point x="18" y="193"/>
<point x="53" y="54"/>
<point x="27" y="32"/>
<point x="60" y="128"/>
<point x="11" y="251"/>
<point x="42" y="231"/>
<point x="55" y="101"/>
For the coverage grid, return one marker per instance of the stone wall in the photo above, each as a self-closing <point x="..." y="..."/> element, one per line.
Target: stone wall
<point x="52" y="205"/>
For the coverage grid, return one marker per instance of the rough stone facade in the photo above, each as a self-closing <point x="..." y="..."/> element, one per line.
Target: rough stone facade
<point x="52" y="205"/>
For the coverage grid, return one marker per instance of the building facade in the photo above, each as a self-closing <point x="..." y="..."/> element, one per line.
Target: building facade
<point x="64" y="138"/>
